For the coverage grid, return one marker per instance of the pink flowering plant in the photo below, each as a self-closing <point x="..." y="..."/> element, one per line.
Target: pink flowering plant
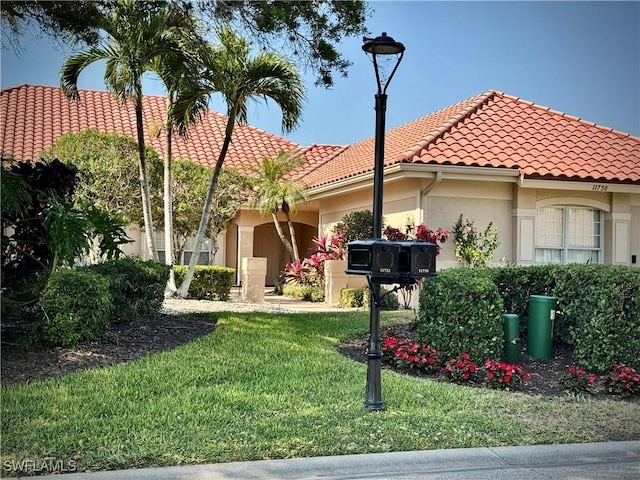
<point x="504" y="376"/>
<point x="579" y="380"/>
<point x="622" y="380"/>
<point x="406" y="355"/>
<point x="460" y="370"/>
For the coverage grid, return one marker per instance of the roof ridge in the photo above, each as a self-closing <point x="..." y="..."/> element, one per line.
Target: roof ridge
<point x="338" y="150"/>
<point x="463" y="114"/>
<point x="568" y="116"/>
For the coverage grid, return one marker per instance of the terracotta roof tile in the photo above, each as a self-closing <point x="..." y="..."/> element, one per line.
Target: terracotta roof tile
<point x="498" y="131"/>
<point x="33" y="117"/>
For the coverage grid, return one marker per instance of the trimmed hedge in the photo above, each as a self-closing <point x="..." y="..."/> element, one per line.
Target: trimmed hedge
<point x="76" y="306"/>
<point x="460" y="312"/>
<point x="360" y="297"/>
<point x="210" y="282"/>
<point x="137" y="286"/>
<point x="306" y="292"/>
<point x="598" y="309"/>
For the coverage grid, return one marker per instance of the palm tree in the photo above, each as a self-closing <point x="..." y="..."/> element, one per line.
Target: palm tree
<point x="275" y="191"/>
<point x="137" y="33"/>
<point x="230" y="70"/>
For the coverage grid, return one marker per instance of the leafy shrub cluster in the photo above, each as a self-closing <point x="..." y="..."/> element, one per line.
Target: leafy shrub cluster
<point x="80" y="304"/>
<point x="210" y="282"/>
<point x="76" y="306"/>
<point x="137" y="286"/>
<point x="622" y="381"/>
<point x="421" y="358"/>
<point x="360" y="297"/>
<point x="598" y="309"/>
<point x="308" y="292"/>
<point x="461" y="311"/>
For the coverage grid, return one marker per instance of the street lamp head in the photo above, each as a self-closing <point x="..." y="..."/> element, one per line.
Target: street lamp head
<point x="383" y="47"/>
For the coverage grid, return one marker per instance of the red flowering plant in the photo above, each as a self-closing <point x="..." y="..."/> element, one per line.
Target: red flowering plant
<point x="422" y="233"/>
<point x="311" y="269"/>
<point x="460" y="370"/>
<point x="579" y="380"/>
<point x="622" y="380"/>
<point x="504" y="376"/>
<point x="407" y="355"/>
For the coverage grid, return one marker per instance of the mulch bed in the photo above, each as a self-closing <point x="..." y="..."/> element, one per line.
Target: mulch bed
<point x="545" y="374"/>
<point x="125" y="342"/>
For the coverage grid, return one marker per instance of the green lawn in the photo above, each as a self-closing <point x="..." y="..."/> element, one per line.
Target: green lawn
<point x="273" y="386"/>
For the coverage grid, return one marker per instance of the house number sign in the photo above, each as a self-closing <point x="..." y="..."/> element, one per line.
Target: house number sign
<point x="599" y="187"/>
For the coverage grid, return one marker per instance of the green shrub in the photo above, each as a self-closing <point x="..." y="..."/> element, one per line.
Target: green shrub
<point x="356" y="226"/>
<point x="360" y="297"/>
<point x="76" y="306"/>
<point x="600" y="311"/>
<point x="460" y="312"/>
<point x="210" y="282"/>
<point x="307" y="291"/>
<point x="137" y="286"/>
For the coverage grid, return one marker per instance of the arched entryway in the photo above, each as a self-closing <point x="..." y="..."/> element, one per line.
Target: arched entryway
<point x="267" y="244"/>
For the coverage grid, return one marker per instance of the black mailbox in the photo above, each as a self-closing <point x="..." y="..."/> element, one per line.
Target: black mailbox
<point x="378" y="258"/>
<point x="417" y="258"/>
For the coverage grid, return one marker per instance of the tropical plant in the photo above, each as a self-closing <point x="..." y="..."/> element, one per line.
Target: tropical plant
<point x="355" y="226"/>
<point x="276" y="191"/>
<point x="136" y="34"/>
<point x="475" y="248"/>
<point x="229" y="68"/>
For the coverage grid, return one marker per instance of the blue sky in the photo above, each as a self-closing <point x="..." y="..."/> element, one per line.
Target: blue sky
<point x="581" y="58"/>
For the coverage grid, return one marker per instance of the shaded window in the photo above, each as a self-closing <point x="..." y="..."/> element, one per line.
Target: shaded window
<point x="568" y="235"/>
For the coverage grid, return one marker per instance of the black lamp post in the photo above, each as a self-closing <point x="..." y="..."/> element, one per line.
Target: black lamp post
<point x="379" y="46"/>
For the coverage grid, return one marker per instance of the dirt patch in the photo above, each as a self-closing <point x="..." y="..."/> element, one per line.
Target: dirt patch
<point x="123" y="343"/>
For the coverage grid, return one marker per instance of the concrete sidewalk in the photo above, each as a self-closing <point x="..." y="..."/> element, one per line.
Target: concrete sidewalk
<point x="597" y="461"/>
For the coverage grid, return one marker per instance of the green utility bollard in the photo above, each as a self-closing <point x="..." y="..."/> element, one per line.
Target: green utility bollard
<point x="540" y="326"/>
<point x="511" y="330"/>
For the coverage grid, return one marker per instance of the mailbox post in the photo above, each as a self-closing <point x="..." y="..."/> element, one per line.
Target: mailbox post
<point x="379" y="46"/>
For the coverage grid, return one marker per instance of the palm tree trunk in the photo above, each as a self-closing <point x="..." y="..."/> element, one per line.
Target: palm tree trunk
<point x="144" y="182"/>
<point x="183" y="291"/>
<point x="292" y="233"/>
<point x="284" y="239"/>
<point x="168" y="211"/>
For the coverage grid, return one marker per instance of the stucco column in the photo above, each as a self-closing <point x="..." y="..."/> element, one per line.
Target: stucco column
<point x="245" y="246"/>
<point x="254" y="273"/>
<point x="334" y="280"/>
<point x="525" y="236"/>
<point x="617" y="233"/>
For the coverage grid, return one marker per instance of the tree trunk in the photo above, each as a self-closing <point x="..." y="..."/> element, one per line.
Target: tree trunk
<point x="171" y="288"/>
<point x="144" y="183"/>
<point x="284" y="239"/>
<point x="292" y="233"/>
<point x="206" y="211"/>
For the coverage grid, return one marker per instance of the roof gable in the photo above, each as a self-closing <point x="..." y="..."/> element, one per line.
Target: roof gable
<point x="33" y="117"/>
<point x="498" y="131"/>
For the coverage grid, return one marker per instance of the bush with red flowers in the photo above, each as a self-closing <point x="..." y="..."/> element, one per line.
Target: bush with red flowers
<point x="460" y="370"/>
<point x="406" y="355"/>
<point x="504" y="376"/>
<point x="579" y="380"/>
<point x="622" y="380"/>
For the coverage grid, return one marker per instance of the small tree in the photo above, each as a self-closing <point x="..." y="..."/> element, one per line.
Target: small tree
<point x="475" y="248"/>
<point x="355" y="226"/>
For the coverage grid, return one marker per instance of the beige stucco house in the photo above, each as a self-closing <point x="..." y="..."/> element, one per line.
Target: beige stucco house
<point x="560" y="189"/>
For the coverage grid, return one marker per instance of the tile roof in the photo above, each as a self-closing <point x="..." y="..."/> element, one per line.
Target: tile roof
<point x="491" y="130"/>
<point x="498" y="131"/>
<point x="33" y="117"/>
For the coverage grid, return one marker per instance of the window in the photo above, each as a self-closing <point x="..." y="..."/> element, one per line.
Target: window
<point x="568" y="235"/>
<point x="203" y="259"/>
